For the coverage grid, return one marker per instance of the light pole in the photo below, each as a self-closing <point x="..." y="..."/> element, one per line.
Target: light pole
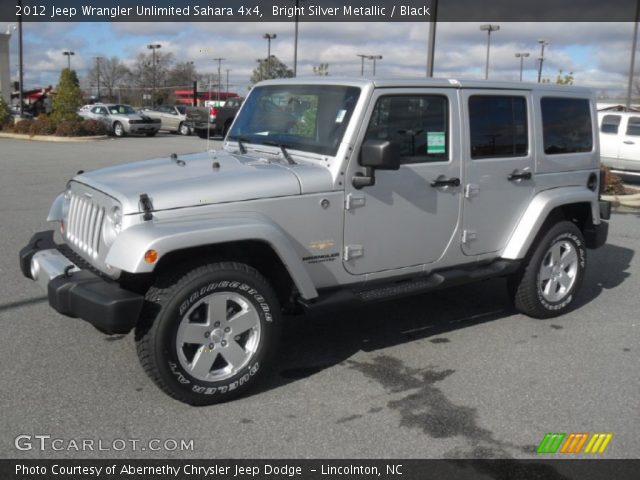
<point x="98" y="74"/>
<point x="228" y="70"/>
<point x="219" y="60"/>
<point x="362" y="57"/>
<point x="521" y="56"/>
<point x="633" y="54"/>
<point x="374" y="58"/>
<point x="68" y="54"/>
<point x="153" y="47"/>
<point x="21" y="64"/>
<point x="269" y="37"/>
<point x="431" y="47"/>
<point x="543" y="43"/>
<point x="488" y="28"/>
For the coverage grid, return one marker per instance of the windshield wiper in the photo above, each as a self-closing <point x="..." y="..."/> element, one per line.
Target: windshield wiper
<point x="241" y="141"/>
<point x="283" y="149"/>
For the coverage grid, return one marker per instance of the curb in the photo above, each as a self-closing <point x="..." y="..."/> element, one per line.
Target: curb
<point x="51" y="138"/>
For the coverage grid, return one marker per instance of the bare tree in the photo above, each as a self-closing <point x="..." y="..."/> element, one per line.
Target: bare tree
<point x="113" y="74"/>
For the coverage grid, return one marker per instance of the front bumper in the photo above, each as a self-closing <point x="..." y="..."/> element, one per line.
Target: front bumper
<point x="79" y="293"/>
<point x="143" y="127"/>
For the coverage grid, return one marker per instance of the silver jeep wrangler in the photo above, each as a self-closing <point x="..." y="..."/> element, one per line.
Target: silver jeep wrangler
<point x="327" y="192"/>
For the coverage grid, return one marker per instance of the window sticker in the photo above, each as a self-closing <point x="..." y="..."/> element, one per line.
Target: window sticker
<point x="435" y="142"/>
<point x="340" y="116"/>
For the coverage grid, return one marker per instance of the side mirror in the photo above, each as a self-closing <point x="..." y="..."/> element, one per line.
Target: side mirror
<point x="380" y="154"/>
<point x="376" y="155"/>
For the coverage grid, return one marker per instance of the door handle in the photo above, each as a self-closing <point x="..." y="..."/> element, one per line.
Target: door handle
<point x="628" y="142"/>
<point x="516" y="176"/>
<point x="446" y="182"/>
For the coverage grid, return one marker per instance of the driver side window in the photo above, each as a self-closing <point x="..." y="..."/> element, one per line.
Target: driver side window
<point x="419" y="124"/>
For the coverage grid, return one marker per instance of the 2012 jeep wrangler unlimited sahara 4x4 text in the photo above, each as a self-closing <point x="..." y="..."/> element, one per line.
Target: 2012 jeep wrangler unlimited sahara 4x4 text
<point x="327" y="191"/>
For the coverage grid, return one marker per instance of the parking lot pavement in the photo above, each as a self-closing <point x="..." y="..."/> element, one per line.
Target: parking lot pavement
<point x="455" y="373"/>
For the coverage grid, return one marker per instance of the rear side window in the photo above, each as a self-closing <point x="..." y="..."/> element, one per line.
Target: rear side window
<point x="566" y="125"/>
<point x="633" y="129"/>
<point x="498" y="126"/>
<point x="610" y="124"/>
<point x="419" y="124"/>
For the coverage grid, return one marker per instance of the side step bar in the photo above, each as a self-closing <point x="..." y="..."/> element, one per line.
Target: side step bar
<point x="381" y="291"/>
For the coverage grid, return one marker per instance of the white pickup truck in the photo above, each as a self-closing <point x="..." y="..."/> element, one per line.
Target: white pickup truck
<point x="620" y="142"/>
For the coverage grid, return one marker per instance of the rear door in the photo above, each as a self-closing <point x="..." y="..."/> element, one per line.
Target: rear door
<point x="498" y="161"/>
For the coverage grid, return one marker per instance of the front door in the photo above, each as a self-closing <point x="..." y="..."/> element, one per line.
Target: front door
<point x="498" y="161"/>
<point x="409" y="216"/>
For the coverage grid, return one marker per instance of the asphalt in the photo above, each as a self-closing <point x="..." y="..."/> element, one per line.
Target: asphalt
<point x="456" y="373"/>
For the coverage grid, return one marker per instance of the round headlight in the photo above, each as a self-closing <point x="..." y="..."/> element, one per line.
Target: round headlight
<point x="112" y="225"/>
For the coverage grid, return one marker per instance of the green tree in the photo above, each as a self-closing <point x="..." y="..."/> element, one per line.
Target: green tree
<point x="564" y="79"/>
<point x="267" y="70"/>
<point x="68" y="98"/>
<point x="321" y="70"/>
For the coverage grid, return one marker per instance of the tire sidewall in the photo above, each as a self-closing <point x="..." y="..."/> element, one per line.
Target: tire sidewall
<point x="559" y="233"/>
<point x="198" y="391"/>
<point x="117" y="127"/>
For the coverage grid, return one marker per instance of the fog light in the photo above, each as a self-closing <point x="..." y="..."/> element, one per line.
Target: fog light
<point x="151" y="256"/>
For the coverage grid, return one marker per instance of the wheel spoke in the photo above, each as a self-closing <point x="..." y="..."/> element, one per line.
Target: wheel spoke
<point x="556" y="254"/>
<point x="551" y="287"/>
<point x="234" y="354"/>
<point x="570" y="257"/>
<point x="565" y="280"/>
<point x="202" y="362"/>
<point x="193" y="333"/>
<point x="243" y="321"/>
<point x="545" y="272"/>
<point x="217" y="310"/>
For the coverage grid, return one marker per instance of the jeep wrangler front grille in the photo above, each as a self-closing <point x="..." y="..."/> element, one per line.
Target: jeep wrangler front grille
<point x="84" y="224"/>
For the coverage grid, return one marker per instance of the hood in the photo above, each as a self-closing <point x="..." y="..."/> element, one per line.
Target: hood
<point x="192" y="180"/>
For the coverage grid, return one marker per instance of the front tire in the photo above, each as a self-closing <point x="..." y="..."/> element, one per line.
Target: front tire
<point x="553" y="273"/>
<point x="208" y="334"/>
<point x="184" y="129"/>
<point x="118" y="130"/>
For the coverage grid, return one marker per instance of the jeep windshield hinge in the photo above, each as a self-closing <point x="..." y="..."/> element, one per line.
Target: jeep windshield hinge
<point x="471" y="190"/>
<point x="468" y="235"/>
<point x="353" y="201"/>
<point x="353" y="251"/>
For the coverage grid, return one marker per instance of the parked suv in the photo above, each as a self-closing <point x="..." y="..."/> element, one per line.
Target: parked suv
<point x="327" y="192"/>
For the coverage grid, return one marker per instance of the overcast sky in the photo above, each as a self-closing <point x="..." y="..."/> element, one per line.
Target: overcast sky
<point x="598" y="54"/>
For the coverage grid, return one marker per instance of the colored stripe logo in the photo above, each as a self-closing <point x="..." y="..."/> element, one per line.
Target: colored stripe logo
<point x="574" y="443"/>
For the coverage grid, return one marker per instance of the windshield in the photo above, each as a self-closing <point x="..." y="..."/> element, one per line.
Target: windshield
<point x="121" y="110"/>
<point x="301" y="117"/>
<point x="182" y="110"/>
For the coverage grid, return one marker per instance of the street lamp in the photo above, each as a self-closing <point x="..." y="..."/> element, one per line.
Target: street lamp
<point x="228" y="70"/>
<point x="362" y="57"/>
<point x="98" y="74"/>
<point x="488" y="28"/>
<point x="374" y="58"/>
<point x="269" y="37"/>
<point x="68" y="54"/>
<point x="521" y="56"/>
<point x="543" y="43"/>
<point x="153" y="47"/>
<point x="219" y="60"/>
<point x="431" y="47"/>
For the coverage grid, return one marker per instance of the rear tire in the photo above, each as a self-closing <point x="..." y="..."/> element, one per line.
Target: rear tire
<point x="202" y="133"/>
<point x="207" y="334"/>
<point x="547" y="285"/>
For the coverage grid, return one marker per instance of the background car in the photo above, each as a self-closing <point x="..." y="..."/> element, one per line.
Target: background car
<point x="172" y="118"/>
<point x="123" y="119"/>
<point x="620" y="142"/>
<point x="213" y="120"/>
